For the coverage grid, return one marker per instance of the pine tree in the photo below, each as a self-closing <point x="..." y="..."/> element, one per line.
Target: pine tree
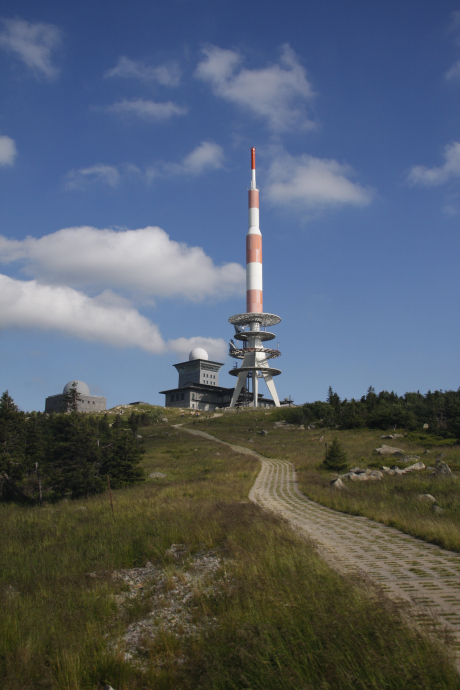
<point x="335" y="457"/>
<point x="72" y="398"/>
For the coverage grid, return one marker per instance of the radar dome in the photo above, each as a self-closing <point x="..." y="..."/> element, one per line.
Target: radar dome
<point x="198" y="353"/>
<point x="82" y="388"/>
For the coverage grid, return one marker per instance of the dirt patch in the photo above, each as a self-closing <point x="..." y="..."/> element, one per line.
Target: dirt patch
<point x="173" y="597"/>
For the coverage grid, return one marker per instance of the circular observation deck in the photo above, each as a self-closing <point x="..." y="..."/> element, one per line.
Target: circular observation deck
<point x="268" y="370"/>
<point x="246" y="335"/>
<point x="254" y="317"/>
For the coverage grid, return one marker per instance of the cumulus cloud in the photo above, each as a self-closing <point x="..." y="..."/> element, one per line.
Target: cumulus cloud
<point x="279" y="94"/>
<point x="33" y="44"/>
<point x="29" y="304"/>
<point x="167" y="75"/>
<point x="107" y="175"/>
<point x="431" y="177"/>
<point x="311" y="183"/>
<point x="147" y="110"/>
<point x="105" y="319"/>
<point x="145" y="261"/>
<point x="7" y="151"/>
<point x="206" y="156"/>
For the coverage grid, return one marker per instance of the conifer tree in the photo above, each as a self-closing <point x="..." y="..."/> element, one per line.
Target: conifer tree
<point x="335" y="457"/>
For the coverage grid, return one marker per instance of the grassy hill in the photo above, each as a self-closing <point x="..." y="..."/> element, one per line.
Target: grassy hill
<point x="190" y="585"/>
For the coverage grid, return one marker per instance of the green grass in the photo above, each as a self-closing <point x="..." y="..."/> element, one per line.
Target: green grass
<point x="284" y="619"/>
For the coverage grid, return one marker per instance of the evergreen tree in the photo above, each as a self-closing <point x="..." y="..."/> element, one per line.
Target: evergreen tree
<point x="72" y="398"/>
<point x="12" y="448"/>
<point x="335" y="457"/>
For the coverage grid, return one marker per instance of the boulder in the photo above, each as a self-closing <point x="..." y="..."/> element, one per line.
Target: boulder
<point x="338" y="484"/>
<point x="437" y="509"/>
<point x="384" y="468"/>
<point x="442" y="469"/>
<point x="426" y="498"/>
<point x="396" y="470"/>
<point x="157" y="475"/>
<point x="263" y="432"/>
<point x="311" y="426"/>
<point x="416" y="466"/>
<point x="354" y="469"/>
<point x="302" y="427"/>
<point x="426" y="426"/>
<point x="387" y="436"/>
<point x="363" y="477"/>
<point x="409" y="458"/>
<point x="375" y="475"/>
<point x="165" y="420"/>
<point x="389" y="450"/>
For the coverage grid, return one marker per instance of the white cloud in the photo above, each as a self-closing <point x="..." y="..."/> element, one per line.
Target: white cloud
<point x="311" y="183"/>
<point x="147" y="110"/>
<point x="216" y="348"/>
<point x="431" y="177"/>
<point x="278" y="93"/>
<point x="106" y="318"/>
<point x="33" y="43"/>
<point x="144" y="261"/>
<point x="7" y="151"/>
<point x="96" y="174"/>
<point x="454" y="71"/>
<point x="167" y="75"/>
<point x="28" y="304"/>
<point x="206" y="156"/>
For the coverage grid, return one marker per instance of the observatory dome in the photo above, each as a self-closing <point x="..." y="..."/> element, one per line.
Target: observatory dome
<point x="82" y="388"/>
<point x="198" y="353"/>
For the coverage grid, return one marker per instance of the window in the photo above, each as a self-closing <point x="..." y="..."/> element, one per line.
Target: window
<point x="177" y="396"/>
<point x="182" y="396"/>
<point x="193" y="397"/>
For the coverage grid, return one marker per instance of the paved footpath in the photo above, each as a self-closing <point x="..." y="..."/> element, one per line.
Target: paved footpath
<point x="404" y="567"/>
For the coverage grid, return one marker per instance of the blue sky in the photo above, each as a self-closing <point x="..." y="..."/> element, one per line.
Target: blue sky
<point x="125" y="131"/>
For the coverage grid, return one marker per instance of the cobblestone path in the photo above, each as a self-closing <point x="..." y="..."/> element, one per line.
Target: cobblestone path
<point x="404" y="567"/>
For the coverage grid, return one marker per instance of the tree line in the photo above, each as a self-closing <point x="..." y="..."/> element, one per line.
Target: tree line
<point x="50" y="457"/>
<point x="440" y="410"/>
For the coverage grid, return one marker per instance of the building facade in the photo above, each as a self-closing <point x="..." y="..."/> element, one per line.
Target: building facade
<point x="198" y="386"/>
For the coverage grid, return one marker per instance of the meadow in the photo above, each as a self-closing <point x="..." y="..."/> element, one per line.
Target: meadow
<point x="272" y="615"/>
<point x="392" y="501"/>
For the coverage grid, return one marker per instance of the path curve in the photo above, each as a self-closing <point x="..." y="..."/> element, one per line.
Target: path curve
<point x="404" y="567"/>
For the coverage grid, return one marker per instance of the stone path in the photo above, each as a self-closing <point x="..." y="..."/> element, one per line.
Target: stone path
<point x="404" y="567"/>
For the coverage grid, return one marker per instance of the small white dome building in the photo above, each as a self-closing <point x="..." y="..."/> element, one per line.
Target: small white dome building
<point x="198" y="353"/>
<point x="85" y="403"/>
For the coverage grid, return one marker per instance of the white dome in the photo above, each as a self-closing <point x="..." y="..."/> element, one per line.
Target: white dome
<point x="198" y="353"/>
<point x="82" y="388"/>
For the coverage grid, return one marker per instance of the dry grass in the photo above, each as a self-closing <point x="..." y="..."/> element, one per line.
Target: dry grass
<point x="284" y="619"/>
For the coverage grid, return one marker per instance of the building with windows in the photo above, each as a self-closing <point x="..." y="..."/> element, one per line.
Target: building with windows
<point x="85" y="402"/>
<point x="198" y="387"/>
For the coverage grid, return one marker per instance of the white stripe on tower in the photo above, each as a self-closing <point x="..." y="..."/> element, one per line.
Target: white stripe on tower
<point x="254" y="301"/>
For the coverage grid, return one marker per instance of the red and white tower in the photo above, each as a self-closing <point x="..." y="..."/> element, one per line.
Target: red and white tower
<point x="248" y="327"/>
